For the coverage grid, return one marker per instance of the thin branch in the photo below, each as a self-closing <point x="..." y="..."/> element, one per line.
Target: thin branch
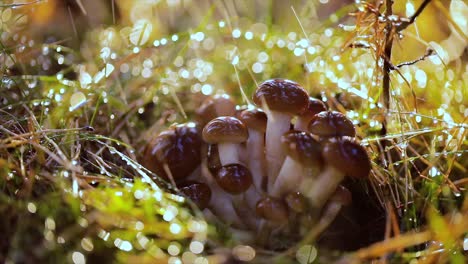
<point x="21" y="4"/>
<point x="411" y="20"/>
<point x="429" y="52"/>
<point x="387" y="65"/>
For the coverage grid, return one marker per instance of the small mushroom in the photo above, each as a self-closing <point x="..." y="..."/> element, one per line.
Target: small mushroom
<point x="273" y="210"/>
<point x="198" y="192"/>
<point x="328" y="124"/>
<point x="343" y="157"/>
<point x="314" y="107"/>
<point x="341" y="197"/>
<point x="296" y="202"/>
<point x="298" y="210"/>
<point x="221" y="204"/>
<point x="227" y="132"/>
<point x="175" y="153"/>
<point x="280" y="99"/>
<point x="236" y="180"/>
<point x="256" y="122"/>
<point x="212" y="107"/>
<point x="303" y="152"/>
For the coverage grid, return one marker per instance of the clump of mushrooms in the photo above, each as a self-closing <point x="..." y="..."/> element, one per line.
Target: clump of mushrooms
<point x="265" y="169"/>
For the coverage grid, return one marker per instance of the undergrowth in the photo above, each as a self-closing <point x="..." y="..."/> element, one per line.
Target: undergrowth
<point x="76" y="110"/>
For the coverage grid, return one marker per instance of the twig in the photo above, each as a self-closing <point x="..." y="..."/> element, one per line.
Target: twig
<point x="390" y="29"/>
<point x="429" y="52"/>
<point x="408" y="239"/>
<point x="387" y="65"/>
<point x="20" y="4"/>
<point x="411" y="20"/>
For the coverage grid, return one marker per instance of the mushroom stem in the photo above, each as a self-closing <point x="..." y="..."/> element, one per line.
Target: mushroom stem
<point x="289" y="177"/>
<point x="278" y="123"/>
<point x="323" y="186"/>
<point x="329" y="214"/>
<point x="243" y="211"/>
<point x="339" y="199"/>
<point x="256" y="157"/>
<point x="220" y="204"/>
<point x="223" y="207"/>
<point x="228" y="153"/>
<point x="252" y="196"/>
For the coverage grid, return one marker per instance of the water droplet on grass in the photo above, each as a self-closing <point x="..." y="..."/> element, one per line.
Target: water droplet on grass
<point x="77" y="100"/>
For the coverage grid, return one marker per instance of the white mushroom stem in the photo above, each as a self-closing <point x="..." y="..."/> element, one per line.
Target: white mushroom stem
<point x="223" y="207"/>
<point x="256" y="157"/>
<point x="289" y="177"/>
<point x="302" y="124"/>
<point x="309" y="178"/>
<point x="323" y="186"/>
<point x="329" y="214"/>
<point x="244" y="212"/>
<point x="278" y="123"/>
<point x="252" y="196"/>
<point x="228" y="153"/>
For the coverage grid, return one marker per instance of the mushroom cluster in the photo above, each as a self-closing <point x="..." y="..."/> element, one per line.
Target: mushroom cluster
<point x="269" y="168"/>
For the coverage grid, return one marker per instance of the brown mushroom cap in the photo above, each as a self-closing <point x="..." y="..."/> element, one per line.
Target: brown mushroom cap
<point x="178" y="148"/>
<point x="254" y="118"/>
<point x="234" y="178"/>
<point x="314" y="107"/>
<point x="198" y="192"/>
<point x="240" y="109"/>
<point x="212" y="107"/>
<point x="302" y="147"/>
<point x="282" y="95"/>
<point x="342" y="196"/>
<point x="347" y="156"/>
<point x="272" y="209"/>
<point x="296" y="202"/>
<point x="331" y="124"/>
<point x="225" y="129"/>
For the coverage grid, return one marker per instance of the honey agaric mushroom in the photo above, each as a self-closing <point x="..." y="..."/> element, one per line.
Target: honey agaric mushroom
<point x="314" y="107"/>
<point x="296" y="202"/>
<point x="273" y="210"/>
<point x="331" y="124"/>
<point x="174" y="153"/>
<point x="236" y="180"/>
<point x="198" y="192"/>
<point x="343" y="157"/>
<point x="341" y="197"/>
<point x="227" y="132"/>
<point x="298" y="207"/>
<point x="212" y="107"/>
<point x="256" y="122"/>
<point x="280" y="99"/>
<point x="222" y="206"/>
<point x="302" y="152"/>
